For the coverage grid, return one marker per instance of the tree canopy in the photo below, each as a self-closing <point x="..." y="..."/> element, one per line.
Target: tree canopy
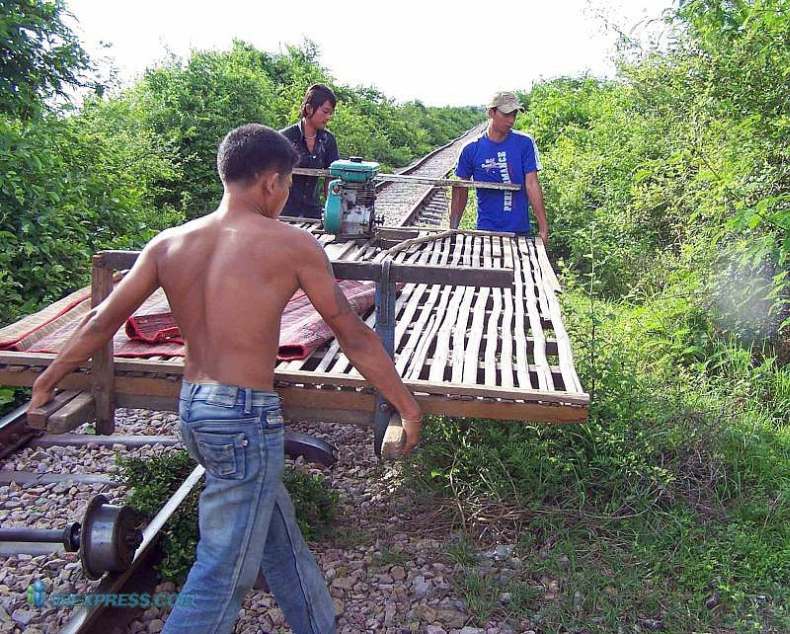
<point x="40" y="56"/>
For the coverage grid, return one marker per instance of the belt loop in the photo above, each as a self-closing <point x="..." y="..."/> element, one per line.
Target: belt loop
<point x="247" y="400"/>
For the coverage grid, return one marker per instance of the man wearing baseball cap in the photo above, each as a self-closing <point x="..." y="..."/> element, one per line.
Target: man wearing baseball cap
<point x="502" y="155"/>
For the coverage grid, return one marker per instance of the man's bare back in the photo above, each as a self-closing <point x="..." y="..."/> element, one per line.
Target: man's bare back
<point x="228" y="277"/>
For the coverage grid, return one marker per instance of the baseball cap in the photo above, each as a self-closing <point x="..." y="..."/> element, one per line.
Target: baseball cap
<point x="505" y="102"/>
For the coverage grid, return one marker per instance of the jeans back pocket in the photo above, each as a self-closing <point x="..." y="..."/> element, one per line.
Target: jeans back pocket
<point x="222" y="454"/>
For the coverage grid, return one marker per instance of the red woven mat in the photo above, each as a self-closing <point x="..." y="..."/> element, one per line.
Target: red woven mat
<point x="152" y="331"/>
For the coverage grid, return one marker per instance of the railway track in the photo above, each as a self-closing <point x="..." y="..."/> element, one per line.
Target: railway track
<point x="46" y="479"/>
<point x="409" y="204"/>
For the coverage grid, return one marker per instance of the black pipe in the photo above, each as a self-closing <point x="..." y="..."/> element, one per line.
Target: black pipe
<point x="69" y="536"/>
<point x="53" y="535"/>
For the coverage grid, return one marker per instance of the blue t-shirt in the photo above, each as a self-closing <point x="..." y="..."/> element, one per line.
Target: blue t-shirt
<point x="505" y="162"/>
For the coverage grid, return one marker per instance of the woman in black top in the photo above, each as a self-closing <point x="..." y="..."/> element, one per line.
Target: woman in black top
<point x="316" y="146"/>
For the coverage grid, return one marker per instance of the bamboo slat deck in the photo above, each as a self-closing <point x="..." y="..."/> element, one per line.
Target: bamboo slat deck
<point x="503" y="352"/>
<point x="489" y="352"/>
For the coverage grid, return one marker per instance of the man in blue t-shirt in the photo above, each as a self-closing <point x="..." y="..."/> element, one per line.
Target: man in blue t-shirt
<point x="502" y="155"/>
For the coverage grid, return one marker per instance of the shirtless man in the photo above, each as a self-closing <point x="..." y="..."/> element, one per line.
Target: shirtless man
<point x="228" y="277"/>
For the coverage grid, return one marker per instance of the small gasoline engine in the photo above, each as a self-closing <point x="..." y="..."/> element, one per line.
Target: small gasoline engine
<point x="349" y="211"/>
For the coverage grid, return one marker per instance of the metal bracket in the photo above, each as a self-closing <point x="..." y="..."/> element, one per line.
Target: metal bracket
<point x="385" y="329"/>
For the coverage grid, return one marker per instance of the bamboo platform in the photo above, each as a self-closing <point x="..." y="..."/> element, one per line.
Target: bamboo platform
<point x="466" y="348"/>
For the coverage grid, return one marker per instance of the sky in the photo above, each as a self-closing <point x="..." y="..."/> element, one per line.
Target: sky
<point x="440" y="52"/>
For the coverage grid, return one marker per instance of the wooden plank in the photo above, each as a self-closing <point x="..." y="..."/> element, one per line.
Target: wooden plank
<point x="37" y="418"/>
<point x="545" y="381"/>
<point x="536" y="277"/>
<point x="564" y="352"/>
<point x="477" y="335"/>
<point x="417" y="180"/>
<point x="170" y="386"/>
<point x="492" y="339"/>
<point x="467" y="348"/>
<point x="445" y="389"/>
<point x="416" y="273"/>
<point x="507" y="253"/>
<point x="415" y="367"/>
<point x="556" y="374"/>
<point x="549" y="277"/>
<point x="475" y="339"/>
<point x="404" y="319"/>
<point x="448" y="317"/>
<point x="354" y="270"/>
<point x="459" y="335"/>
<point x="418" y="330"/>
<point x="525" y="412"/>
<point x="79" y="410"/>
<point x="518" y="332"/>
<point x="102" y="363"/>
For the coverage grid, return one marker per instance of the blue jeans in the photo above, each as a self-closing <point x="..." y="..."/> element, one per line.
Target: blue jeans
<point x="246" y="517"/>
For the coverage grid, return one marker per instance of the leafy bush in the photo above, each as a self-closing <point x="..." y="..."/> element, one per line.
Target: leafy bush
<point x="153" y="481"/>
<point x="72" y="186"/>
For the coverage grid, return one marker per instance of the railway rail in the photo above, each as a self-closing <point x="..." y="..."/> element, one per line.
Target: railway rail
<point x="403" y="205"/>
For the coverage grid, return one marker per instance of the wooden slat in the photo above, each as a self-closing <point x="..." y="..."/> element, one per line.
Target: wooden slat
<point x="418" y="330"/>
<point x="37" y="418"/>
<point x="460" y="343"/>
<point x="476" y="337"/>
<point x="459" y="335"/>
<point x="545" y="381"/>
<point x="415" y="367"/>
<point x="102" y="369"/>
<point x="549" y="277"/>
<point x="404" y="319"/>
<point x="416" y="180"/>
<point x="460" y="276"/>
<point x="518" y="330"/>
<point x="536" y="277"/>
<point x="170" y="388"/>
<point x="492" y="338"/>
<point x="569" y="376"/>
<point x="441" y="353"/>
<point x="80" y="409"/>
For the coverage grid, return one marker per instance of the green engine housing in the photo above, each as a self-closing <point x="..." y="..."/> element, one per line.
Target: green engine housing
<point x="349" y="211"/>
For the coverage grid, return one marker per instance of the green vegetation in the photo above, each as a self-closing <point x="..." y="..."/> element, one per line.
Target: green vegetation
<point x="152" y="481"/>
<point x="667" y="190"/>
<point x="129" y="163"/>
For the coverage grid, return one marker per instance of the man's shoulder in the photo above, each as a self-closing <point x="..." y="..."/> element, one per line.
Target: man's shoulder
<point x="472" y="144"/>
<point x="469" y="149"/>
<point x="296" y="236"/>
<point x="523" y="138"/>
<point x="291" y="132"/>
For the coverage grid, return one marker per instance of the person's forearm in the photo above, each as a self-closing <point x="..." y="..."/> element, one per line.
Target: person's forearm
<point x="459" y="197"/>
<point x="89" y="336"/>
<point x="368" y="355"/>
<point x="535" y="194"/>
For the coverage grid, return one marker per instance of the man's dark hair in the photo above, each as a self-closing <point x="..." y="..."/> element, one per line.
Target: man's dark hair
<point x="251" y="149"/>
<point x="315" y="97"/>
